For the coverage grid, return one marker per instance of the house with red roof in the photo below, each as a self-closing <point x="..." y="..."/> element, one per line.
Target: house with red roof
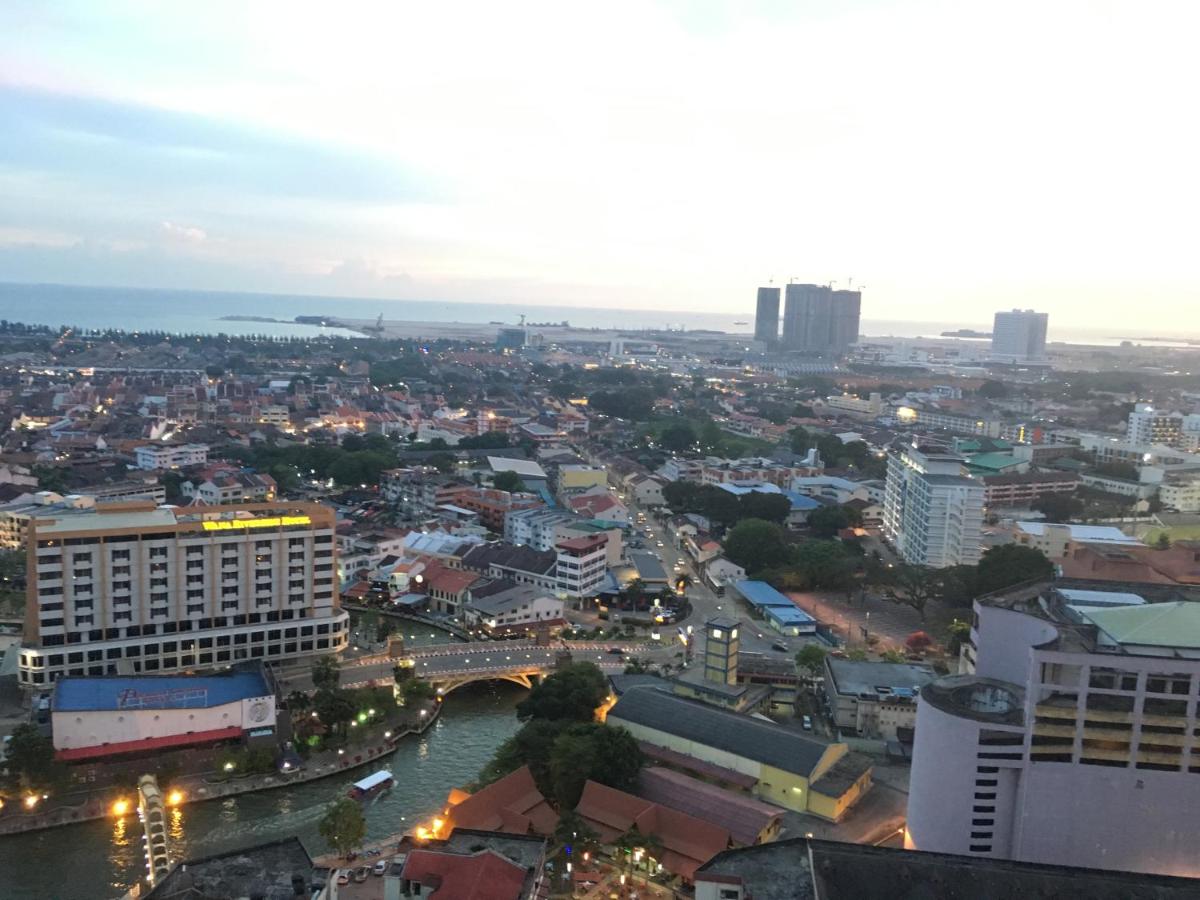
<point x="513" y="805"/>
<point x="686" y="842"/>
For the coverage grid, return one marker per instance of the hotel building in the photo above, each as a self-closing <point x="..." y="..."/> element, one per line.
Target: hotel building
<point x="932" y="513"/>
<point x="1072" y="739"/>
<point x="137" y="588"/>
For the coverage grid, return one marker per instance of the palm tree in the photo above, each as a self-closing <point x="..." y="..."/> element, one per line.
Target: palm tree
<point x="683" y="581"/>
<point x="635" y="591"/>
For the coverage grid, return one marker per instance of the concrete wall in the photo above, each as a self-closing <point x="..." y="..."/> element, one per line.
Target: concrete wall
<point x="91" y="729"/>
<point x="1139" y="820"/>
<point x="1010" y="636"/>
<point x="942" y="782"/>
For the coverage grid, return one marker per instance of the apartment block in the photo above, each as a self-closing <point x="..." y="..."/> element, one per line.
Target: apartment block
<point x="171" y="456"/>
<point x="135" y="588"/>
<point x="932" y="513"/>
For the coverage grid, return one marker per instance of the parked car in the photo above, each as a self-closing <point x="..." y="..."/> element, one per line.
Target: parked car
<point x="806" y="722"/>
<point x="381" y="866"/>
<point x="343" y="876"/>
<point x="362" y="873"/>
<point x="780" y="646"/>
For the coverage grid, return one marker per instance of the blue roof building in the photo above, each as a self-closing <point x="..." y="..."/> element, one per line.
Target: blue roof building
<point x="779" y="612"/>
<point x="108" y="693"/>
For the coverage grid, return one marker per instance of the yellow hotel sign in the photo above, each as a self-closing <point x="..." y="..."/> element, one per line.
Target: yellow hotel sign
<point x="273" y="522"/>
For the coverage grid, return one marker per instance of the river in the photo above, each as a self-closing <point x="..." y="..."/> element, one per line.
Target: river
<point x="100" y="860"/>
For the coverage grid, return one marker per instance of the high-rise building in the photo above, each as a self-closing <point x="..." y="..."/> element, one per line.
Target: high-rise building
<point x="1148" y="425"/>
<point x="138" y="588"/>
<point x="1019" y="335"/>
<point x="766" y="316"/>
<point x="1070" y="740"/>
<point x="932" y="512"/>
<point x="818" y="319"/>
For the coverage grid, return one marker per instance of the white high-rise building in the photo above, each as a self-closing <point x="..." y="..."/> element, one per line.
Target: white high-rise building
<point x="1149" y="425"/>
<point x="1071" y="740"/>
<point x="139" y="588"/>
<point x="1019" y="335"/>
<point x="932" y="512"/>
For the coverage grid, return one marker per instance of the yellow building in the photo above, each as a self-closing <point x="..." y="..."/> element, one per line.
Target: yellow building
<point x="581" y="477"/>
<point x="773" y="762"/>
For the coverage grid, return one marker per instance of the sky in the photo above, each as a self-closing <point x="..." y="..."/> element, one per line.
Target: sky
<point x="951" y="158"/>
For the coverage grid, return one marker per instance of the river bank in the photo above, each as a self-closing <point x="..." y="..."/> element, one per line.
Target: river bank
<point x="87" y="806"/>
<point x="103" y="858"/>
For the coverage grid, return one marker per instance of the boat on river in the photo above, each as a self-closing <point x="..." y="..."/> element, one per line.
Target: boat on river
<point x="375" y="783"/>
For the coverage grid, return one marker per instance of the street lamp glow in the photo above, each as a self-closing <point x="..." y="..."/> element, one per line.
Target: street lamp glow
<point x="120" y="807"/>
<point x="174" y="798"/>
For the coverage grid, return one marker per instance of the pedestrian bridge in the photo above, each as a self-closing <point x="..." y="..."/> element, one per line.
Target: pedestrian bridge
<point x="449" y="667"/>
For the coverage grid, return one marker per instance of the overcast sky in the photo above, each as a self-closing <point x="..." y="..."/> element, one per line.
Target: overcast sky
<point x="954" y="157"/>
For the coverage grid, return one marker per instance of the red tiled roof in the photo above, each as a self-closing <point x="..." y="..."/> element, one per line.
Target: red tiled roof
<point x="698" y="766"/>
<point x="159" y="743"/>
<point x="742" y="815"/>
<point x="512" y="804"/>
<point x="483" y="876"/>
<point x="687" y="842"/>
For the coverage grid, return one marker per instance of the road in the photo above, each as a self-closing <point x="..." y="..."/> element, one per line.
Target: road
<point x="756" y="637"/>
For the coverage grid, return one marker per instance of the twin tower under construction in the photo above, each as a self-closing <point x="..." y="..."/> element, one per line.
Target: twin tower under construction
<point x="816" y="318"/>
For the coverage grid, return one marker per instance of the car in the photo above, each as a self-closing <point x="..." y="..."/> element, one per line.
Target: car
<point x="381" y="866"/>
<point x="780" y="646"/>
<point x="362" y="873"/>
<point x="343" y="876"/>
<point x="661" y="544"/>
<point x="806" y="722"/>
<point x="616" y="651"/>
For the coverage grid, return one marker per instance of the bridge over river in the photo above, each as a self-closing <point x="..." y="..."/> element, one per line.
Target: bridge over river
<point x="447" y="667"/>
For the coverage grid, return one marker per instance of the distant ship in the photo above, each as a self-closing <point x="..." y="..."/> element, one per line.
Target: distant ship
<point x="741" y="323"/>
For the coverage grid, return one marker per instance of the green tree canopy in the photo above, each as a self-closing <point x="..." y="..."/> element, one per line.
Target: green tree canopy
<point x="508" y="481"/>
<point x="31" y="758"/>
<point x="590" y="751"/>
<point x="811" y="659"/>
<point x="755" y="544"/>
<point x="678" y="437"/>
<point x="1009" y="564"/>
<point x="827" y="521"/>
<point x="343" y="826"/>
<point x="823" y="565"/>
<point x="530" y="746"/>
<point x="572" y="693"/>
<point x="324" y="673"/>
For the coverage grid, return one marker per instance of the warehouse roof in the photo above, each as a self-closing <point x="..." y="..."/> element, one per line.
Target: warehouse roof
<point x="761" y="594"/>
<point x="157" y="691"/>
<point x="744" y="736"/>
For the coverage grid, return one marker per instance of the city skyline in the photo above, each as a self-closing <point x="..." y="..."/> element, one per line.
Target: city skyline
<point x="267" y="151"/>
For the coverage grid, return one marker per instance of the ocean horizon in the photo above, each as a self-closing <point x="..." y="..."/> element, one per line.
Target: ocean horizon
<point x="185" y="311"/>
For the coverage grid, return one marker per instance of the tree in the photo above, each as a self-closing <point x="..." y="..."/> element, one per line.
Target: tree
<point x="489" y="440"/>
<point x="913" y="586"/>
<point x="530" y="746"/>
<point x="827" y="521"/>
<point x="771" y="507"/>
<point x="508" y="481"/>
<point x="635" y="592"/>
<point x="31" y="758"/>
<point x="683" y="581"/>
<point x="590" y="751"/>
<point x="957" y="632"/>
<point x="1009" y="564"/>
<point x="572" y="693"/>
<point x="298" y="702"/>
<point x="1163" y="541"/>
<point x="678" y="437"/>
<point x="755" y="544"/>
<point x="334" y="709"/>
<point x="918" y="642"/>
<point x="892" y="655"/>
<point x="823" y="565"/>
<point x="1058" y="507"/>
<point x="1124" y="470"/>
<point x="993" y="390"/>
<point x="343" y="826"/>
<point x="443" y="462"/>
<point x="811" y="659"/>
<point x="416" y="691"/>
<point x="324" y="673"/>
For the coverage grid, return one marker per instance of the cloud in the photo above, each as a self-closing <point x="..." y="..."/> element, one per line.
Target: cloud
<point x="186" y="233"/>
<point x="143" y="151"/>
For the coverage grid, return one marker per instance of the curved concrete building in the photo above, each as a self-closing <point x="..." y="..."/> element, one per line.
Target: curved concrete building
<point x="1075" y="740"/>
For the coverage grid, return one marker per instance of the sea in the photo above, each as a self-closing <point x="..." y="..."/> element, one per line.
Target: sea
<point x="204" y="312"/>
